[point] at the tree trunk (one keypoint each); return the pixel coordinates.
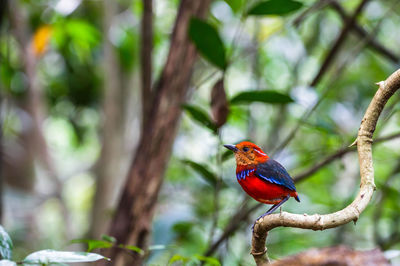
(133, 218)
(109, 167)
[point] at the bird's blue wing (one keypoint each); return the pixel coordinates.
(273, 172)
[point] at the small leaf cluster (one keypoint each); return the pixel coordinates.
(42, 257)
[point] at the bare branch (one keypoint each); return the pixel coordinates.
(359, 30)
(243, 213)
(339, 41)
(336, 155)
(351, 212)
(315, 7)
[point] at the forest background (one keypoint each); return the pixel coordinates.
(113, 116)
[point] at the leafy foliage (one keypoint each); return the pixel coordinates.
(200, 116)
(93, 243)
(203, 170)
(267, 96)
(6, 245)
(208, 42)
(52, 256)
(248, 45)
(274, 7)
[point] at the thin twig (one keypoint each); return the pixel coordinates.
(345, 63)
(338, 43)
(359, 30)
(316, 6)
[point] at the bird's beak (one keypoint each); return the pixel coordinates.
(231, 147)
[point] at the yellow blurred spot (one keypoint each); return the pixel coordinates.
(41, 40)
(269, 26)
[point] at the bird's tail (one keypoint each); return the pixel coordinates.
(297, 198)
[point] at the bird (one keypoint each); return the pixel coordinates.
(261, 177)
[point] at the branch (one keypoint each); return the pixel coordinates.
(336, 155)
(243, 213)
(351, 212)
(359, 30)
(131, 223)
(339, 41)
(322, 70)
(146, 59)
(315, 7)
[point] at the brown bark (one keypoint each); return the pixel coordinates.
(339, 256)
(146, 60)
(132, 221)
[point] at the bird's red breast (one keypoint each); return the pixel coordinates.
(261, 190)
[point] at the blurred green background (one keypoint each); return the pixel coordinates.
(57, 84)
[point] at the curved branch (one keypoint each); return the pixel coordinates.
(351, 212)
(243, 213)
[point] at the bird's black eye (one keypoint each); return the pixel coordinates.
(245, 149)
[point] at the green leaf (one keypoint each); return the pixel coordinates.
(6, 245)
(107, 238)
(176, 258)
(274, 7)
(235, 5)
(266, 96)
(201, 169)
(208, 260)
(200, 116)
(7, 263)
(208, 42)
(93, 243)
(49, 256)
(132, 248)
(226, 155)
(183, 227)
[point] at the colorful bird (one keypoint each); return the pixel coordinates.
(264, 179)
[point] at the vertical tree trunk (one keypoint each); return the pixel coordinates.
(133, 218)
(146, 50)
(109, 166)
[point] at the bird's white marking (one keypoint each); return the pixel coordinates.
(259, 152)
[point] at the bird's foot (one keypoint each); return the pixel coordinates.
(262, 216)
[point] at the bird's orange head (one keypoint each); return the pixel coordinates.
(247, 153)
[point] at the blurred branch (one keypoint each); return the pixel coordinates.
(108, 168)
(352, 212)
(146, 59)
(359, 30)
(316, 6)
(336, 155)
(355, 27)
(131, 223)
(34, 105)
(242, 214)
(345, 62)
(349, 22)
